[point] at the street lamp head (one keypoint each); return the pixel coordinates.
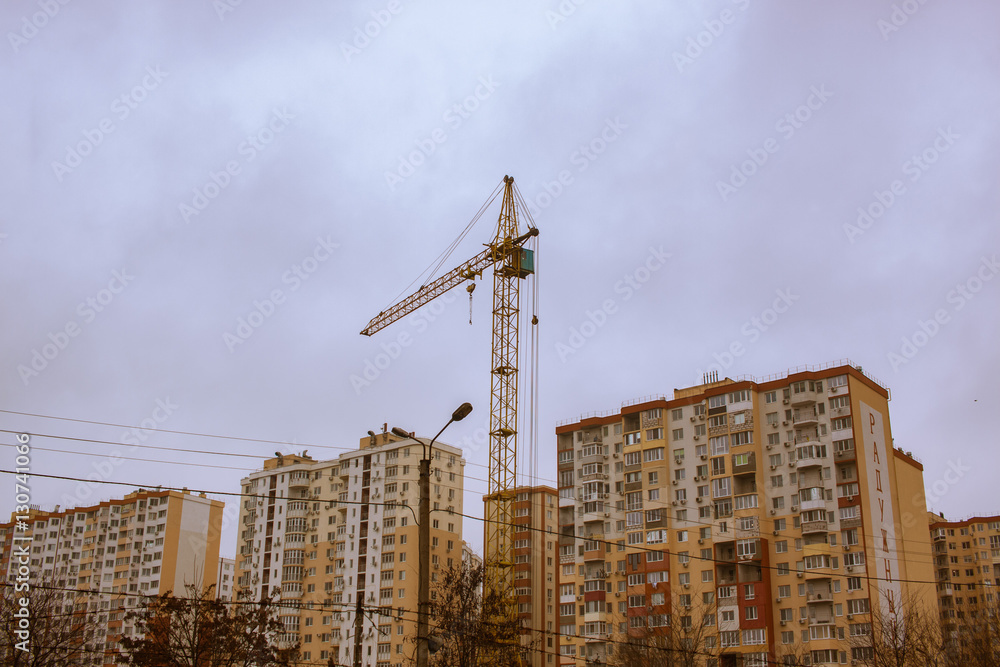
(400, 432)
(461, 412)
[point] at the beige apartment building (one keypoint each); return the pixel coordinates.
(749, 522)
(967, 570)
(110, 554)
(536, 572)
(333, 537)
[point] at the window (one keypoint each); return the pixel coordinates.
(655, 454)
(840, 423)
(676, 414)
(739, 396)
(655, 434)
(676, 434)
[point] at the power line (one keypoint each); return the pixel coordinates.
(631, 547)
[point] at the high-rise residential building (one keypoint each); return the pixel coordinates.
(750, 521)
(536, 571)
(967, 569)
(225, 579)
(107, 556)
(332, 537)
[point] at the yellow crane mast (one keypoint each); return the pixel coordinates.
(511, 263)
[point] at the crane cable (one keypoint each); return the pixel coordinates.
(436, 265)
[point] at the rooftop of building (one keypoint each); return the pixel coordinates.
(712, 386)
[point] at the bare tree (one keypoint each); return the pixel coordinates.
(910, 637)
(677, 639)
(201, 631)
(470, 625)
(57, 631)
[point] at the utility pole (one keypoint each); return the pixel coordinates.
(424, 547)
(424, 536)
(359, 624)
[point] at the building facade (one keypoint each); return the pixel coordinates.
(536, 571)
(967, 570)
(225, 579)
(105, 557)
(338, 537)
(746, 522)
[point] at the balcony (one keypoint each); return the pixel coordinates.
(803, 418)
(298, 480)
(809, 527)
(806, 398)
(844, 455)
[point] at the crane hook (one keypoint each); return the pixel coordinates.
(470, 288)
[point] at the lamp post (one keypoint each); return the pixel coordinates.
(424, 537)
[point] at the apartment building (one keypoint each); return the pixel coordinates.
(967, 571)
(225, 579)
(337, 542)
(750, 521)
(108, 555)
(536, 571)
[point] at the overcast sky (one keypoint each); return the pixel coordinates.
(169, 168)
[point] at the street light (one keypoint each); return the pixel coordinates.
(424, 536)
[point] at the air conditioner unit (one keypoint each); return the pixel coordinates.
(773, 512)
(700, 499)
(692, 418)
(850, 617)
(850, 568)
(785, 401)
(673, 502)
(615, 455)
(701, 540)
(784, 423)
(775, 532)
(798, 574)
(678, 460)
(773, 467)
(674, 482)
(802, 621)
(704, 457)
(579, 597)
(783, 623)
(697, 437)
(687, 585)
(768, 447)
(795, 508)
(684, 501)
(788, 444)
(847, 547)
(701, 417)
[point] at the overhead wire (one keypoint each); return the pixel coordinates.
(518, 527)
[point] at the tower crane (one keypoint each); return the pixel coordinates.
(511, 263)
